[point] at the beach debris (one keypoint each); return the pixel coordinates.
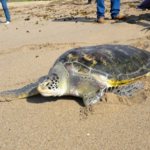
(132, 5)
(27, 19)
(140, 21)
(18, 11)
(45, 16)
(107, 10)
(36, 22)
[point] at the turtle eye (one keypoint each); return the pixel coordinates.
(46, 83)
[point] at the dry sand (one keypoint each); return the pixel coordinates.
(27, 51)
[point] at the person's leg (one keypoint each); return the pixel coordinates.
(100, 9)
(115, 8)
(144, 4)
(4, 5)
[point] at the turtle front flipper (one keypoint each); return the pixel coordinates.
(23, 92)
(91, 98)
(26, 91)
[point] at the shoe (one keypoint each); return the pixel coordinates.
(120, 17)
(101, 20)
(7, 22)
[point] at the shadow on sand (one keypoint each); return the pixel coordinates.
(78, 19)
(142, 20)
(40, 99)
(78, 4)
(137, 2)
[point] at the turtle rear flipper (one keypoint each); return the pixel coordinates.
(26, 91)
(128, 90)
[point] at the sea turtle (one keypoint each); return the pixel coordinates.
(88, 72)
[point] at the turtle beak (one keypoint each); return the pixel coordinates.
(44, 91)
(40, 88)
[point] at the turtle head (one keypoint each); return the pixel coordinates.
(49, 85)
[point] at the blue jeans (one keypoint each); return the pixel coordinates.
(115, 8)
(6, 11)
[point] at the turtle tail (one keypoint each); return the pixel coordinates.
(26, 91)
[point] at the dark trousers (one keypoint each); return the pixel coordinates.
(144, 4)
(115, 8)
(6, 11)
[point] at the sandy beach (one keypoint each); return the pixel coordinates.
(38, 34)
